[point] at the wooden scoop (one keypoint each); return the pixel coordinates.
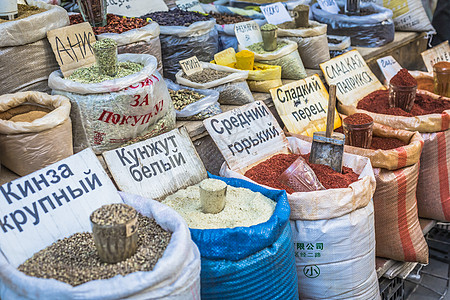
(328, 147)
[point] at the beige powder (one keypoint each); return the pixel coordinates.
(28, 117)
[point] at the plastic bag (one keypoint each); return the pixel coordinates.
(339, 48)
(178, 42)
(233, 89)
(373, 30)
(26, 147)
(263, 86)
(229, 255)
(26, 57)
(202, 109)
(105, 115)
(175, 275)
(312, 43)
(300, 177)
(409, 15)
(144, 40)
(318, 225)
(287, 58)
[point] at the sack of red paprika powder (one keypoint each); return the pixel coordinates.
(397, 229)
(433, 187)
(108, 114)
(333, 234)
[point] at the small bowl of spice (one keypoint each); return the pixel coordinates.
(402, 90)
(358, 130)
(115, 228)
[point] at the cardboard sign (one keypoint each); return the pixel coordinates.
(190, 65)
(135, 8)
(329, 6)
(436, 54)
(303, 105)
(389, 66)
(246, 135)
(72, 46)
(156, 167)
(275, 13)
(352, 77)
(248, 33)
(52, 203)
(189, 5)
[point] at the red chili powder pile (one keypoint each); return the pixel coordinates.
(403, 78)
(115, 24)
(268, 171)
(378, 102)
(358, 119)
(383, 143)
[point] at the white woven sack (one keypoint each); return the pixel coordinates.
(176, 276)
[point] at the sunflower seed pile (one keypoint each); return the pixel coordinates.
(74, 260)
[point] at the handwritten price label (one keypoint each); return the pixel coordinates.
(275, 13)
(247, 33)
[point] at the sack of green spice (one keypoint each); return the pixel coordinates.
(205, 107)
(312, 42)
(175, 276)
(144, 40)
(26, 57)
(106, 115)
(233, 88)
(286, 56)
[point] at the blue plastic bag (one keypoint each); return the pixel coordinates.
(255, 262)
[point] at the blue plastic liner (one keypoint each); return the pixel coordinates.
(255, 262)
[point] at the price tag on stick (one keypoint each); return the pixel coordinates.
(436, 54)
(329, 6)
(189, 5)
(247, 33)
(72, 46)
(191, 65)
(275, 13)
(389, 66)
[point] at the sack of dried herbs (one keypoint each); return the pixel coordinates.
(230, 83)
(106, 115)
(144, 40)
(286, 56)
(312, 42)
(26, 57)
(193, 104)
(35, 131)
(176, 275)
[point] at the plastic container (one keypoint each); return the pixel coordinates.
(245, 60)
(269, 39)
(300, 177)
(116, 242)
(93, 12)
(358, 135)
(212, 195)
(301, 16)
(441, 72)
(352, 7)
(402, 96)
(8, 9)
(106, 57)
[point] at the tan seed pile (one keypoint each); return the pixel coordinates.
(74, 260)
(243, 207)
(206, 75)
(29, 116)
(117, 213)
(24, 11)
(184, 97)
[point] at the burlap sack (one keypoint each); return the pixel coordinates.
(26, 147)
(433, 188)
(26, 57)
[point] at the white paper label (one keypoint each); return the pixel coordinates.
(275, 13)
(352, 77)
(156, 167)
(436, 54)
(135, 8)
(189, 5)
(329, 6)
(52, 203)
(389, 66)
(248, 33)
(246, 135)
(190, 65)
(303, 105)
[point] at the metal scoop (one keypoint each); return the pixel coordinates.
(328, 147)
